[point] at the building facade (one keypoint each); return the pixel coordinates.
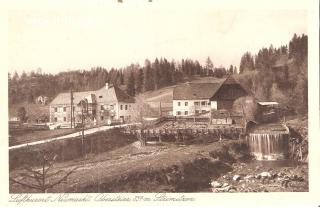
(107, 104)
(198, 98)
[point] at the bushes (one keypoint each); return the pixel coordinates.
(232, 152)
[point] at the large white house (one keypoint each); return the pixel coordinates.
(198, 98)
(103, 105)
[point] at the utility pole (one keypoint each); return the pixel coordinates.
(71, 108)
(82, 123)
(160, 109)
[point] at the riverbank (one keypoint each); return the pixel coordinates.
(169, 167)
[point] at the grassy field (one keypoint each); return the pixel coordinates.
(32, 136)
(165, 95)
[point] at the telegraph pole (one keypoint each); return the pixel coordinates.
(71, 97)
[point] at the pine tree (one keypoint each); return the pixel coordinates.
(139, 82)
(156, 74)
(131, 85)
(148, 76)
(209, 66)
(230, 71)
(246, 63)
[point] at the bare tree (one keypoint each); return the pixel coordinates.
(43, 178)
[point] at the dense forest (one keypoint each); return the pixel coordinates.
(279, 74)
(134, 79)
(286, 83)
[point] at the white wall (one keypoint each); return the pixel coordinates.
(191, 107)
(123, 112)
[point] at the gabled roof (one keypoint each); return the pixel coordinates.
(65, 98)
(193, 91)
(230, 80)
(103, 95)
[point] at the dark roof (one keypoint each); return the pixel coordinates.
(192, 91)
(103, 95)
(230, 81)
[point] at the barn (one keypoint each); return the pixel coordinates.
(197, 98)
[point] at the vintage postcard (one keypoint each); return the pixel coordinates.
(153, 102)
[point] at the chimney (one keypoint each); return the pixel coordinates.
(107, 85)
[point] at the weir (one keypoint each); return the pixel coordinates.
(269, 146)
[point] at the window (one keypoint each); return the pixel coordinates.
(101, 118)
(209, 103)
(186, 113)
(179, 103)
(178, 112)
(196, 103)
(64, 118)
(126, 107)
(197, 111)
(186, 103)
(55, 109)
(102, 107)
(121, 107)
(203, 111)
(64, 109)
(203, 103)
(55, 119)
(111, 107)
(100, 96)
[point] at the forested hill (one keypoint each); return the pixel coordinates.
(134, 78)
(256, 71)
(279, 74)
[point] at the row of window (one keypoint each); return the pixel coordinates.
(196, 103)
(56, 109)
(125, 107)
(186, 112)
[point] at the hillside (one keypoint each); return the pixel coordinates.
(164, 95)
(151, 98)
(34, 111)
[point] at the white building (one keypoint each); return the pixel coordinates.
(103, 105)
(199, 98)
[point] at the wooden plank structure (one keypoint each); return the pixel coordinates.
(183, 134)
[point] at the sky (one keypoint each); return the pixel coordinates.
(120, 35)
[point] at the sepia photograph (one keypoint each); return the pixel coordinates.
(141, 97)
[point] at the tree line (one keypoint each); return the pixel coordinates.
(279, 74)
(134, 79)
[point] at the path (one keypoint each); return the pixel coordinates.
(76, 134)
